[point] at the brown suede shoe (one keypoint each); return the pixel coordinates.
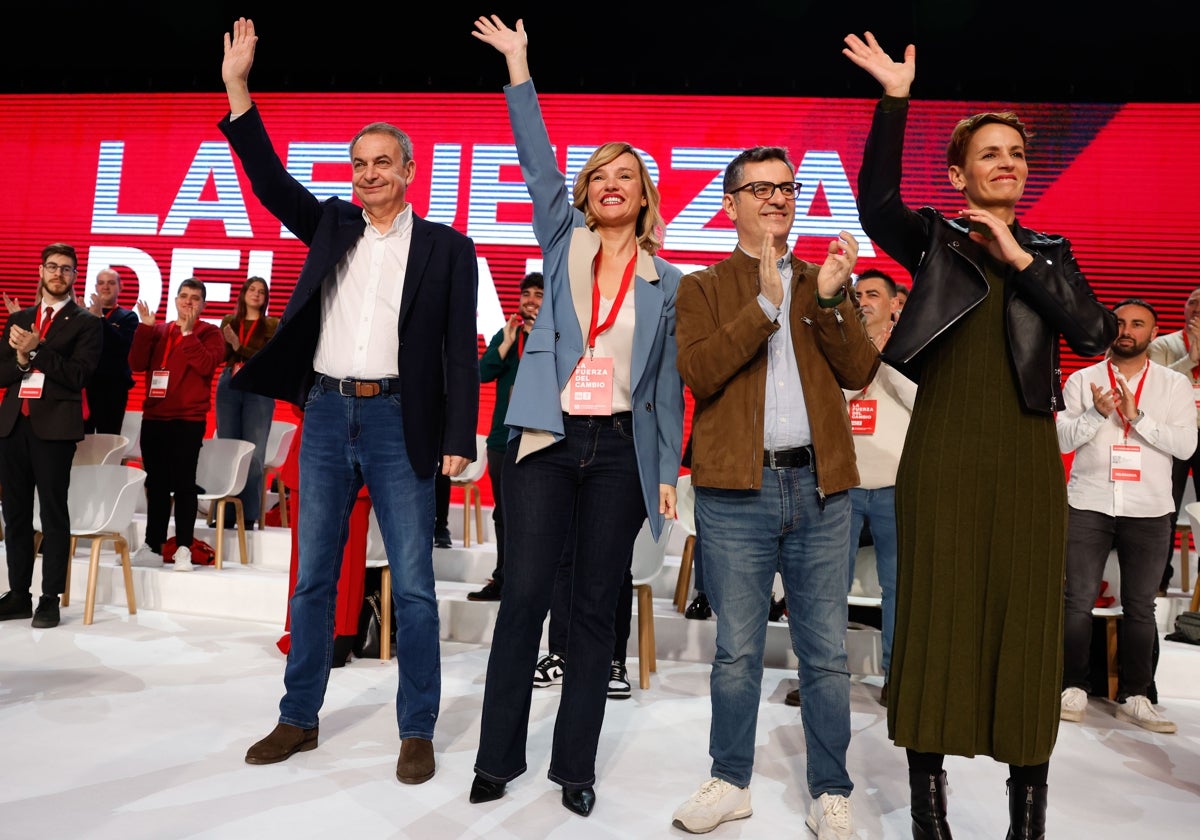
(284, 741)
(415, 764)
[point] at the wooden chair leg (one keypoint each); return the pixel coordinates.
(122, 548)
(467, 516)
(683, 583)
(647, 660)
(283, 502)
(89, 603)
(479, 532)
(219, 549)
(241, 529)
(385, 614)
(1111, 642)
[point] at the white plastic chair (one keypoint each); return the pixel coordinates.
(101, 502)
(648, 559)
(131, 428)
(279, 443)
(468, 480)
(100, 448)
(221, 470)
(685, 510)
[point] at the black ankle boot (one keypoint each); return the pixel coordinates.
(1026, 811)
(928, 792)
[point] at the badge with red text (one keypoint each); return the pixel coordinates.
(591, 386)
(862, 416)
(32, 384)
(1196, 394)
(1126, 463)
(158, 383)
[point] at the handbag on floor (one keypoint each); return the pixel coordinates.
(203, 554)
(370, 628)
(1187, 628)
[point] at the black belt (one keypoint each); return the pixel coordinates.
(358, 387)
(782, 459)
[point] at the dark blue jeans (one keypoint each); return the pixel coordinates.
(589, 478)
(246, 416)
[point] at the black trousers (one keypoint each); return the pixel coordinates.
(106, 402)
(170, 450)
(27, 463)
(1179, 473)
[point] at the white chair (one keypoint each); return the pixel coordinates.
(100, 448)
(221, 471)
(648, 559)
(468, 480)
(101, 502)
(131, 428)
(685, 510)
(1192, 509)
(279, 443)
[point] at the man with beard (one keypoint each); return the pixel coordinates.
(1125, 419)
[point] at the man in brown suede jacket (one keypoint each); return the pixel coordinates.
(766, 343)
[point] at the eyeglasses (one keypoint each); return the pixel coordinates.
(763, 190)
(55, 268)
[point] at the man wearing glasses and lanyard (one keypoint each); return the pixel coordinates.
(48, 353)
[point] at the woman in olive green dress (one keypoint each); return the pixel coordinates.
(981, 505)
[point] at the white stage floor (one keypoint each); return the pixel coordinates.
(136, 727)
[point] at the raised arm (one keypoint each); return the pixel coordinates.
(235, 67)
(896, 78)
(513, 45)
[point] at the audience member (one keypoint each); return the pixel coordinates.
(901, 299)
(981, 508)
(499, 364)
(241, 414)
(377, 276)
(179, 359)
(1124, 420)
(1180, 351)
(766, 343)
(583, 462)
(48, 353)
(107, 391)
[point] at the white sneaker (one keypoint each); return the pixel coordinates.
(549, 671)
(183, 559)
(829, 817)
(1074, 704)
(1138, 710)
(147, 557)
(715, 802)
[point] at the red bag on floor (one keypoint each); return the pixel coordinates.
(202, 553)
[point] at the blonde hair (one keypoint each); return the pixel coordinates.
(649, 220)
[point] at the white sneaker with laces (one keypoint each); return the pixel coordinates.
(146, 557)
(716, 801)
(1074, 704)
(549, 671)
(829, 817)
(1140, 711)
(618, 681)
(183, 559)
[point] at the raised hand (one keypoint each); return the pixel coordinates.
(896, 77)
(144, 313)
(11, 303)
(513, 45)
(235, 67)
(231, 337)
(770, 282)
(841, 255)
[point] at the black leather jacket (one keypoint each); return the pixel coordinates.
(1050, 297)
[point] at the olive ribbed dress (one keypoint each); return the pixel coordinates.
(981, 511)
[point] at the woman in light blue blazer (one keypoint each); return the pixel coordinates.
(596, 420)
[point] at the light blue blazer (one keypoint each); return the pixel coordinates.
(556, 343)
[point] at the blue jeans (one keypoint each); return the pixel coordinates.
(349, 441)
(878, 508)
(590, 477)
(246, 416)
(748, 536)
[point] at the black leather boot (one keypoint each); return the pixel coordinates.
(1026, 812)
(928, 792)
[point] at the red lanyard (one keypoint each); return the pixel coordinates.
(43, 324)
(1137, 395)
(595, 330)
(108, 315)
(168, 344)
(520, 341)
(244, 333)
(1187, 346)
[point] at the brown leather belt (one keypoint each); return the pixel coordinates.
(782, 459)
(358, 387)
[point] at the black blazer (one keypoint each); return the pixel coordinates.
(67, 355)
(439, 345)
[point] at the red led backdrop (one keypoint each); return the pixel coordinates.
(147, 184)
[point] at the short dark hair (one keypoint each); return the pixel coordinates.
(62, 249)
(532, 279)
(193, 283)
(757, 154)
(879, 275)
(956, 149)
(1137, 302)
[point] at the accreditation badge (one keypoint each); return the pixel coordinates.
(158, 383)
(863, 414)
(592, 386)
(1126, 462)
(32, 384)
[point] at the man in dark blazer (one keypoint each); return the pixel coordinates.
(378, 343)
(48, 353)
(108, 388)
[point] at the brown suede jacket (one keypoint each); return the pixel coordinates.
(722, 336)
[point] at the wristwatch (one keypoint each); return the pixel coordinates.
(1133, 421)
